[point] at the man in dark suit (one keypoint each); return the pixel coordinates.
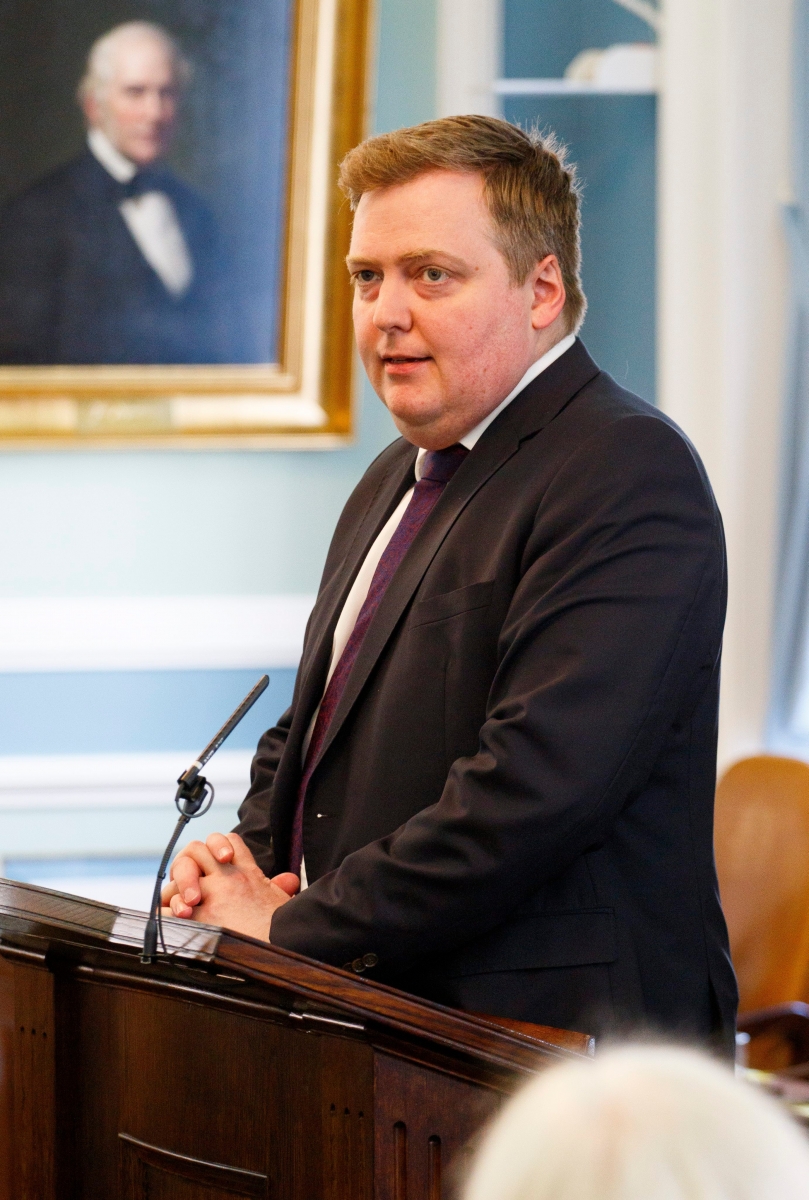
(499, 764)
(111, 258)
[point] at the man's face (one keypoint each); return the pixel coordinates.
(442, 331)
(137, 108)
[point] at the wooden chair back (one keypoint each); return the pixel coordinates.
(762, 859)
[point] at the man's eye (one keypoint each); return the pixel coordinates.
(434, 275)
(365, 276)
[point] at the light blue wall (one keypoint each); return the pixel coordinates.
(406, 63)
(131, 712)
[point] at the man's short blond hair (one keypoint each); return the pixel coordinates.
(530, 189)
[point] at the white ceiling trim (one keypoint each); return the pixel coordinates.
(146, 633)
(90, 781)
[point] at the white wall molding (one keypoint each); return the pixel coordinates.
(102, 781)
(125, 633)
(723, 284)
(468, 52)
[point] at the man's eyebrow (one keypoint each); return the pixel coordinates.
(414, 256)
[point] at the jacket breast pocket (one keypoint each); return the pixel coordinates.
(551, 939)
(452, 604)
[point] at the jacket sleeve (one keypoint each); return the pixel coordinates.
(254, 811)
(612, 634)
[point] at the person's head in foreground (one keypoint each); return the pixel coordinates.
(465, 264)
(641, 1123)
(131, 88)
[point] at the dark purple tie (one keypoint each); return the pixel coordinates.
(437, 468)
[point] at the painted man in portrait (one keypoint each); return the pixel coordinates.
(111, 258)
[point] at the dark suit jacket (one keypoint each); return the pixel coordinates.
(514, 809)
(75, 287)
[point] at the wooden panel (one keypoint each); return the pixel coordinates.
(325, 1148)
(347, 1091)
(204, 1086)
(34, 1084)
(424, 1123)
(6, 1078)
(90, 1079)
(152, 1173)
(201, 1082)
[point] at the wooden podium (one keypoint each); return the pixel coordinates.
(233, 1069)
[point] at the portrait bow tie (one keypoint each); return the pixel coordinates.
(140, 183)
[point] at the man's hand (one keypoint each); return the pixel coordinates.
(183, 893)
(220, 883)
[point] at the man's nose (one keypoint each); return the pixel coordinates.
(156, 106)
(392, 307)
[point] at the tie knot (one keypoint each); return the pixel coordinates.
(440, 465)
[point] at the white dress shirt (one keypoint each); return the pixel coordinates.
(362, 583)
(151, 219)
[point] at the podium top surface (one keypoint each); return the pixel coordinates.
(47, 927)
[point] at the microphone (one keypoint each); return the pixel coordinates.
(194, 789)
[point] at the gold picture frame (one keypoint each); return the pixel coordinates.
(305, 399)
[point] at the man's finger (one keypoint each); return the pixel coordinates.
(220, 847)
(287, 882)
(186, 873)
(242, 857)
(179, 908)
(194, 861)
(169, 890)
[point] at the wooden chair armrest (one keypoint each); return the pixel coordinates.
(779, 1037)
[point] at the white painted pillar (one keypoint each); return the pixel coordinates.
(724, 153)
(468, 56)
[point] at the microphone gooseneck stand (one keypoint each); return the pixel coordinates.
(193, 792)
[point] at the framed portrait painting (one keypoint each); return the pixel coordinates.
(171, 232)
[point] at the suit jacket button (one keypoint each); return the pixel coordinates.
(370, 960)
(358, 966)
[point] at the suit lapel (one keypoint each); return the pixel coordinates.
(534, 408)
(317, 652)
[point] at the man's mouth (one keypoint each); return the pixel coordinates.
(397, 360)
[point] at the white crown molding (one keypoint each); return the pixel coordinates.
(93, 781)
(147, 633)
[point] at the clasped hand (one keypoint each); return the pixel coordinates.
(219, 882)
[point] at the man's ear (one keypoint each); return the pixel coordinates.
(548, 292)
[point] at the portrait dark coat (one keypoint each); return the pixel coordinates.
(75, 287)
(513, 813)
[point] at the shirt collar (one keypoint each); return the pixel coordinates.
(535, 369)
(111, 159)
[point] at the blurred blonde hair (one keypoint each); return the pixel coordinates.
(641, 1123)
(530, 189)
(101, 58)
